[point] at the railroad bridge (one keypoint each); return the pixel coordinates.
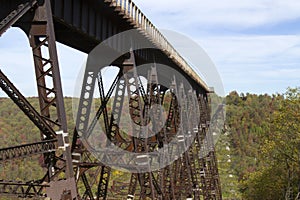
(71, 169)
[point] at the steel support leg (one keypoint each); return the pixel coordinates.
(42, 37)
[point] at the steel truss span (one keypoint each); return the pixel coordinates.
(71, 169)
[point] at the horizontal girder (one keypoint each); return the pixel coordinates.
(26, 150)
(22, 190)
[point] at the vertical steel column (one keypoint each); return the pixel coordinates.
(155, 95)
(186, 179)
(172, 173)
(135, 109)
(203, 145)
(209, 172)
(113, 133)
(46, 66)
(139, 115)
(41, 36)
(212, 160)
(111, 128)
(105, 170)
(132, 186)
(193, 115)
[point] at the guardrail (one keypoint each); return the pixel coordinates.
(130, 10)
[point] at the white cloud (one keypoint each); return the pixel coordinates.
(226, 13)
(253, 49)
(247, 63)
(261, 64)
(280, 74)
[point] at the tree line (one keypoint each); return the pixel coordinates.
(258, 150)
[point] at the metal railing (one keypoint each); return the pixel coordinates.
(130, 10)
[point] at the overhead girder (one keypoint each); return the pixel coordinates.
(15, 15)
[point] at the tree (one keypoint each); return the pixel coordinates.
(280, 154)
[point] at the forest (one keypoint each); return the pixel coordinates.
(258, 151)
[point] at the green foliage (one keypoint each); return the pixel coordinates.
(263, 135)
(258, 152)
(281, 148)
(247, 120)
(265, 183)
(17, 129)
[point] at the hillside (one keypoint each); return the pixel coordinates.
(258, 152)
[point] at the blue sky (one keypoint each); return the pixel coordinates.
(255, 44)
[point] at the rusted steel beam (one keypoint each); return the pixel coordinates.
(15, 15)
(27, 150)
(17, 97)
(22, 190)
(42, 39)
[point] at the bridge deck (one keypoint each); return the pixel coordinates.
(94, 21)
(83, 24)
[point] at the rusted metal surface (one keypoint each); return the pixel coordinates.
(76, 173)
(22, 190)
(8, 87)
(15, 15)
(27, 150)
